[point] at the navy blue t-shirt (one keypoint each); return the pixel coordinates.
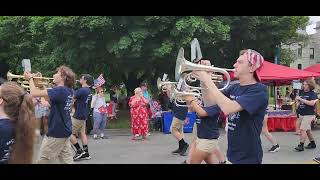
(82, 96)
(179, 112)
(59, 124)
(207, 127)
(304, 109)
(6, 139)
(244, 127)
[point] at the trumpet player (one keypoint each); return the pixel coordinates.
(245, 105)
(56, 144)
(83, 97)
(205, 133)
(179, 115)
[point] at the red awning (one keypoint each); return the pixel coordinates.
(282, 75)
(275, 74)
(314, 68)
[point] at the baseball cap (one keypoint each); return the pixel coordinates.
(256, 60)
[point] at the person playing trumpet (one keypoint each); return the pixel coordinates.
(245, 105)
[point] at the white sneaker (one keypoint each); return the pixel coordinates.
(102, 135)
(148, 134)
(95, 136)
(137, 135)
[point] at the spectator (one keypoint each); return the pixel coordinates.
(98, 104)
(139, 115)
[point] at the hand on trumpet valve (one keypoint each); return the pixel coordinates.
(202, 76)
(27, 75)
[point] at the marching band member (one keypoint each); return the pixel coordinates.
(17, 125)
(56, 144)
(82, 98)
(245, 104)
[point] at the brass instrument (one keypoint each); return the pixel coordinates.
(163, 84)
(39, 81)
(186, 67)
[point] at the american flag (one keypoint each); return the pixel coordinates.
(99, 81)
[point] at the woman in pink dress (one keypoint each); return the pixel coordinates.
(139, 115)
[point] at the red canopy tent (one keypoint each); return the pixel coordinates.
(279, 75)
(314, 68)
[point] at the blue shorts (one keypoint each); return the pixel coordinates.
(41, 111)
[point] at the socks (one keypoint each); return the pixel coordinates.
(85, 148)
(77, 146)
(181, 143)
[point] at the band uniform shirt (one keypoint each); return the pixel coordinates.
(83, 97)
(179, 112)
(303, 108)
(59, 124)
(207, 127)
(6, 139)
(244, 127)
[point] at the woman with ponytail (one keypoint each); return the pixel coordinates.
(17, 122)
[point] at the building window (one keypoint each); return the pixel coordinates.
(299, 50)
(311, 53)
(299, 66)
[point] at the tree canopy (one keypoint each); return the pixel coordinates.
(132, 49)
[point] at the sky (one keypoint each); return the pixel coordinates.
(313, 20)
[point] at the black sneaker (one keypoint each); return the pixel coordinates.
(176, 151)
(184, 149)
(85, 156)
(311, 146)
(299, 148)
(317, 159)
(78, 155)
(275, 148)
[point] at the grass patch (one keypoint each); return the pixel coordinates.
(123, 121)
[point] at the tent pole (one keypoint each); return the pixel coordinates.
(275, 96)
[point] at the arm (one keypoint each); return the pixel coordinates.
(93, 101)
(226, 105)
(307, 102)
(34, 91)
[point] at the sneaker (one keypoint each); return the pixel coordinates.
(177, 151)
(78, 155)
(299, 148)
(137, 135)
(275, 148)
(148, 134)
(311, 146)
(101, 135)
(95, 136)
(317, 159)
(85, 156)
(184, 149)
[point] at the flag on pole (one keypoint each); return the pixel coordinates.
(99, 81)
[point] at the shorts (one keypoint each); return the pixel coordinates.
(306, 122)
(206, 145)
(55, 148)
(78, 126)
(41, 111)
(177, 124)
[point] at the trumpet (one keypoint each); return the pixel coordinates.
(178, 96)
(163, 84)
(25, 84)
(184, 66)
